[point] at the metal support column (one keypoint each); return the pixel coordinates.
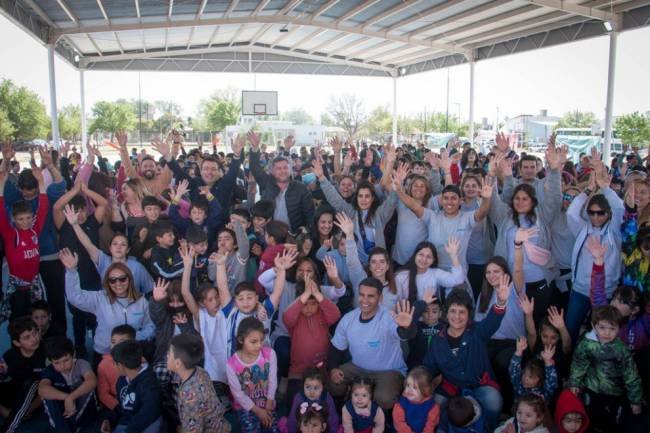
(82, 103)
(607, 144)
(471, 101)
(395, 110)
(53, 111)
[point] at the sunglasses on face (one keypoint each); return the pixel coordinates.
(121, 279)
(597, 212)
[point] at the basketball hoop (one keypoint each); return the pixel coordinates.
(259, 103)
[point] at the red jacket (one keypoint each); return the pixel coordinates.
(266, 262)
(567, 402)
(21, 246)
(309, 335)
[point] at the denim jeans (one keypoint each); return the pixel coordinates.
(577, 310)
(489, 399)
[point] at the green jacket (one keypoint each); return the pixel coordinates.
(605, 368)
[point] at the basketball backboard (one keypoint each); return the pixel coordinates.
(259, 103)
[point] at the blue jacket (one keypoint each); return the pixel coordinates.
(470, 368)
(48, 243)
(139, 401)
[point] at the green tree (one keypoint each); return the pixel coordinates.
(633, 129)
(577, 119)
(112, 116)
(220, 110)
(167, 115)
(379, 122)
(70, 122)
(326, 120)
(348, 113)
(6, 127)
(298, 116)
(24, 110)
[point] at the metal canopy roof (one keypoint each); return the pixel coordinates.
(336, 37)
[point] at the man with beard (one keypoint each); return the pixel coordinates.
(293, 201)
(211, 184)
(154, 182)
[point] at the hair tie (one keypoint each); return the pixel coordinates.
(303, 407)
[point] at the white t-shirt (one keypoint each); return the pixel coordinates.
(214, 342)
(441, 227)
(373, 345)
(432, 278)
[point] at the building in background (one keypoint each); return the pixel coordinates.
(532, 129)
(274, 131)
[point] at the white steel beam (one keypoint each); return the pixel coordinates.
(459, 17)
(395, 111)
(166, 39)
(390, 12)
(419, 15)
(40, 12)
(430, 56)
(85, 61)
(352, 44)
(611, 71)
(264, 19)
(405, 58)
(265, 28)
(307, 38)
(67, 11)
(291, 5)
(231, 7)
(171, 9)
(324, 8)
(137, 9)
(213, 36)
(328, 42)
(201, 8)
(388, 53)
(260, 7)
(144, 41)
(523, 33)
(487, 21)
(368, 49)
(472, 63)
(82, 104)
(119, 43)
(189, 40)
(553, 16)
(101, 8)
(283, 36)
(236, 34)
(352, 12)
(92, 41)
(575, 9)
(54, 115)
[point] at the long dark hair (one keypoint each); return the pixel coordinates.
(390, 276)
(531, 217)
(364, 184)
(602, 202)
(412, 269)
(464, 160)
(487, 289)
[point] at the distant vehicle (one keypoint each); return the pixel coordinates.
(437, 140)
(581, 140)
(26, 145)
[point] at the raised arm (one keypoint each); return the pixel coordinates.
(187, 254)
(282, 262)
(222, 277)
(101, 204)
(243, 244)
(57, 209)
(72, 216)
(484, 209)
(122, 139)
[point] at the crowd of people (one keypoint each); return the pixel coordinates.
(365, 289)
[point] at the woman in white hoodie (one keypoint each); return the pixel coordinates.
(118, 304)
(601, 218)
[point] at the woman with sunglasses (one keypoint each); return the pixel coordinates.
(118, 304)
(604, 216)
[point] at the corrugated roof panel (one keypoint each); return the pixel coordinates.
(131, 40)
(83, 44)
(53, 10)
(216, 6)
(202, 35)
(413, 10)
(106, 42)
(118, 8)
(176, 37)
(150, 8)
(339, 9)
(475, 19)
(184, 7)
(375, 9)
(85, 10)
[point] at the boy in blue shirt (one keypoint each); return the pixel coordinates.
(67, 387)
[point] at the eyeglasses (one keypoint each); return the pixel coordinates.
(121, 279)
(568, 197)
(597, 212)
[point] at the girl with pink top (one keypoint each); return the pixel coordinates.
(252, 377)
